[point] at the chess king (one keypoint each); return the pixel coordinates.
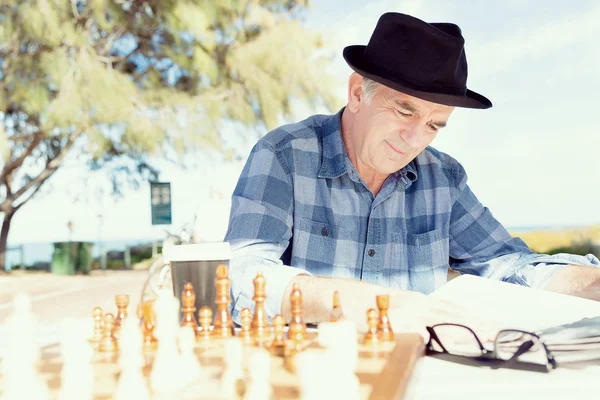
(359, 202)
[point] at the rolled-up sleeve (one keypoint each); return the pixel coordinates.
(480, 245)
(260, 229)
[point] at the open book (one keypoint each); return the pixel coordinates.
(576, 341)
(569, 326)
(571, 342)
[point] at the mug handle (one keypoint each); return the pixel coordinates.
(156, 287)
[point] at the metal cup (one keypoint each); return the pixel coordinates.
(197, 264)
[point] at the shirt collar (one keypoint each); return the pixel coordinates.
(333, 163)
(335, 160)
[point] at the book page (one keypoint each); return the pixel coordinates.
(515, 307)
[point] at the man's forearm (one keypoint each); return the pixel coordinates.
(356, 297)
(576, 280)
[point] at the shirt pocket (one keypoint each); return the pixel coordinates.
(324, 248)
(424, 251)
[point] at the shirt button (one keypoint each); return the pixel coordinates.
(371, 252)
(325, 232)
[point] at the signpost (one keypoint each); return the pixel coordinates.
(160, 200)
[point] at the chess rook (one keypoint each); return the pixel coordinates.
(188, 300)
(223, 323)
(297, 329)
(260, 322)
(384, 327)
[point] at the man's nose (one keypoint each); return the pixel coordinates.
(412, 134)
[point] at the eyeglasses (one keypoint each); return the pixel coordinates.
(512, 348)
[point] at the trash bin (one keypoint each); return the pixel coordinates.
(63, 262)
(84, 258)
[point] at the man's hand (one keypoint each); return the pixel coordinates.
(576, 280)
(413, 311)
(408, 312)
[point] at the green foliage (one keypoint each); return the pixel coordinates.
(130, 79)
(123, 81)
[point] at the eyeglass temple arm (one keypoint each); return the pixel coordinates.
(434, 336)
(524, 348)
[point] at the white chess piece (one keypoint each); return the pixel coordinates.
(165, 377)
(131, 384)
(20, 374)
(313, 372)
(341, 338)
(188, 364)
(323, 374)
(233, 370)
(341, 341)
(77, 375)
(259, 371)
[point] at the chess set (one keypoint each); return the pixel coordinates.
(168, 353)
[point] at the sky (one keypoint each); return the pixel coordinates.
(532, 158)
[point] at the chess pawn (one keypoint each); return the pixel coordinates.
(233, 371)
(148, 325)
(246, 326)
(384, 327)
(336, 312)
(223, 323)
(297, 330)
(204, 330)
(188, 363)
(372, 335)
(259, 373)
(188, 300)
(98, 328)
(108, 342)
(260, 322)
(122, 302)
(278, 343)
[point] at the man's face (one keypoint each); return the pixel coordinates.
(391, 130)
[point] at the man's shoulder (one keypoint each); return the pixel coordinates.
(436, 161)
(431, 155)
(297, 134)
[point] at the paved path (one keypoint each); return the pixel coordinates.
(55, 297)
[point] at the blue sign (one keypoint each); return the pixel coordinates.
(160, 200)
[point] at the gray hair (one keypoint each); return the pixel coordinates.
(369, 87)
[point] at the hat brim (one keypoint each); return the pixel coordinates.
(354, 56)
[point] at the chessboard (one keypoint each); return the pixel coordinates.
(383, 374)
(165, 352)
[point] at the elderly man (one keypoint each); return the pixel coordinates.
(359, 203)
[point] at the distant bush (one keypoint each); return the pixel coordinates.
(579, 248)
(552, 240)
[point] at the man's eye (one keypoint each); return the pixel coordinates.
(433, 128)
(403, 113)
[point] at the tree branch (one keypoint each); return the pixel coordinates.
(10, 167)
(51, 167)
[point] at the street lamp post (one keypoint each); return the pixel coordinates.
(100, 245)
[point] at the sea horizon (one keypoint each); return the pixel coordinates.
(39, 252)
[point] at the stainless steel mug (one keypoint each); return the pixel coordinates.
(197, 264)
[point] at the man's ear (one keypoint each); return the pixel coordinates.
(355, 92)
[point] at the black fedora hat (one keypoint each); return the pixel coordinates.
(424, 60)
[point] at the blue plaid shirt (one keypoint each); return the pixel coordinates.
(301, 207)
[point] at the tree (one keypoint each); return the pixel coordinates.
(117, 82)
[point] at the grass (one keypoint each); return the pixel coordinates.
(565, 240)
